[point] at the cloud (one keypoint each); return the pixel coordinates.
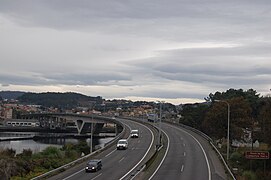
(157, 48)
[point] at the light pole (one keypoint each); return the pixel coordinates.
(160, 119)
(228, 131)
(91, 138)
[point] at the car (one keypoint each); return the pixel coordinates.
(94, 165)
(122, 144)
(134, 133)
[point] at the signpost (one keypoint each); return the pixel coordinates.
(257, 155)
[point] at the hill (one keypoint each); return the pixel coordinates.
(59, 100)
(11, 94)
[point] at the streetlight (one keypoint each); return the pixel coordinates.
(160, 119)
(228, 131)
(91, 138)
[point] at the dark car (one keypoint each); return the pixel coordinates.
(94, 165)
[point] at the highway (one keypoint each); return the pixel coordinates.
(188, 157)
(117, 164)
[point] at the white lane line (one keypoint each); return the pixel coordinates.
(183, 145)
(204, 153)
(121, 159)
(110, 153)
(163, 157)
(73, 174)
(184, 154)
(96, 176)
(105, 156)
(182, 168)
(144, 154)
(127, 139)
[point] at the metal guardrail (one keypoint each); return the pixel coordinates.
(211, 142)
(66, 166)
(155, 153)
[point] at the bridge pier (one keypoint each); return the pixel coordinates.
(82, 123)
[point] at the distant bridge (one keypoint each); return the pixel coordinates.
(61, 121)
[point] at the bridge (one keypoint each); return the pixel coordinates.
(82, 123)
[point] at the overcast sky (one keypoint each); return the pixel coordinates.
(173, 50)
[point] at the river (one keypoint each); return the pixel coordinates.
(39, 145)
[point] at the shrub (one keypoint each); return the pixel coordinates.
(249, 175)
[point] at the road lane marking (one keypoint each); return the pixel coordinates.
(96, 176)
(184, 154)
(121, 159)
(74, 174)
(110, 153)
(105, 156)
(204, 153)
(144, 154)
(183, 144)
(182, 168)
(163, 157)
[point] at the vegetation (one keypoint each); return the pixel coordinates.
(248, 111)
(28, 165)
(11, 94)
(59, 100)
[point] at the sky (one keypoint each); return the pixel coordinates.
(178, 51)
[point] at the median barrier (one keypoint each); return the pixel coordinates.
(153, 156)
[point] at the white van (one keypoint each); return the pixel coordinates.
(134, 133)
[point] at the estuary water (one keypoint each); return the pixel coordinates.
(39, 145)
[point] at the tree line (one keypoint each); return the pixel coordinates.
(248, 111)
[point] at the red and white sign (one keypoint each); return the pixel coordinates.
(257, 155)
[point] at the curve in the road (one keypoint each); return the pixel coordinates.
(117, 164)
(186, 157)
(144, 154)
(168, 142)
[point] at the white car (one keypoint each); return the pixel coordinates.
(122, 144)
(134, 133)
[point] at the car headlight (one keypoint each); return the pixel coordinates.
(86, 167)
(93, 167)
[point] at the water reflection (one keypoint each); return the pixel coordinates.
(41, 144)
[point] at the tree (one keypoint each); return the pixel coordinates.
(264, 119)
(215, 121)
(193, 115)
(251, 95)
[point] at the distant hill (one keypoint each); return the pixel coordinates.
(11, 94)
(60, 100)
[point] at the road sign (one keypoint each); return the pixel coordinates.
(257, 155)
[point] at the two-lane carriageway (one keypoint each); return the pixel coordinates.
(188, 157)
(117, 164)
